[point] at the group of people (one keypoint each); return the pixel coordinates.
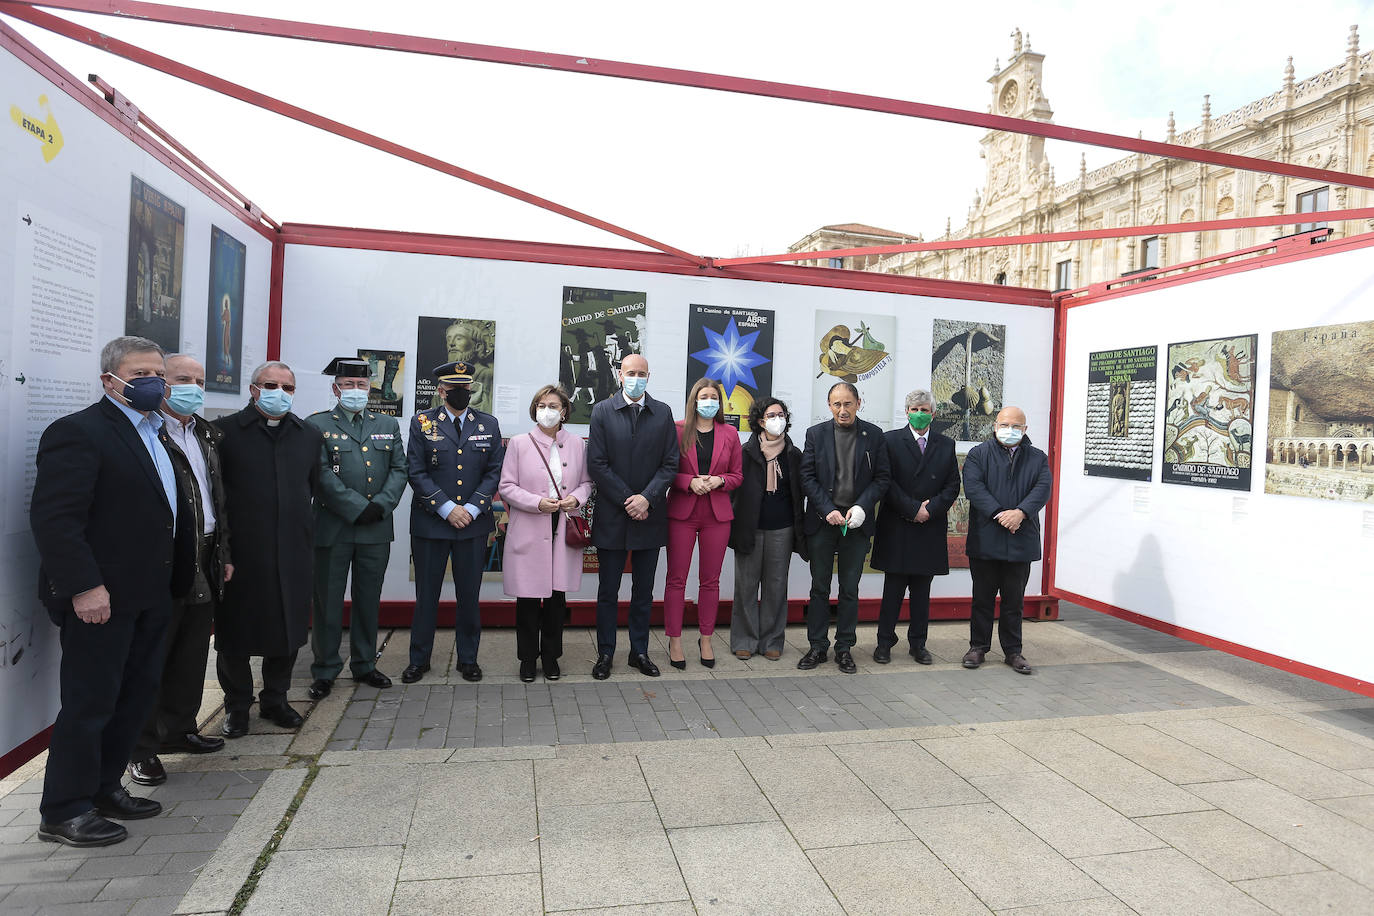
(134, 497)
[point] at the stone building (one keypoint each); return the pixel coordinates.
(1324, 121)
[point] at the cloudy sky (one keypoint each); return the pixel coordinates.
(714, 173)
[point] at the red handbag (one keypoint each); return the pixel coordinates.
(576, 531)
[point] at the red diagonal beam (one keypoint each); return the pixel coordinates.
(234, 90)
(1241, 222)
(390, 41)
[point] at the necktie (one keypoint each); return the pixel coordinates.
(634, 417)
(921, 441)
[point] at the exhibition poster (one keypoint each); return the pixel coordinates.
(388, 380)
(600, 328)
(1321, 413)
(854, 348)
(967, 363)
(1120, 437)
(956, 525)
(734, 346)
(157, 240)
(443, 340)
(224, 317)
(1209, 413)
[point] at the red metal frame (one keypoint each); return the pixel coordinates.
(24, 752)
(274, 298)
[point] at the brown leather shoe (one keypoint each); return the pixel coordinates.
(973, 658)
(1019, 664)
(772, 655)
(743, 655)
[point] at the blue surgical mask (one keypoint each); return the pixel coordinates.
(1009, 436)
(274, 402)
(708, 409)
(353, 399)
(143, 393)
(634, 385)
(186, 399)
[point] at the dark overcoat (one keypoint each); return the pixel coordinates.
(818, 473)
(995, 478)
(902, 544)
(269, 480)
(209, 583)
(748, 496)
(625, 458)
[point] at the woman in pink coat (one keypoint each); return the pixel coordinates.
(699, 511)
(544, 478)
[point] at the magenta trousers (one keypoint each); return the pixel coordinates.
(683, 535)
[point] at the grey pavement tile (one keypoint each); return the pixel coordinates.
(904, 775)
(729, 867)
(49, 892)
(37, 869)
(354, 806)
(1101, 906)
(1359, 809)
(334, 881)
(500, 895)
(487, 828)
(156, 906)
(120, 867)
(186, 863)
(894, 879)
(1063, 815)
(980, 755)
(1313, 892)
(589, 781)
(606, 855)
(966, 838)
(94, 908)
(1174, 760)
(147, 886)
(1165, 882)
(181, 842)
(1313, 743)
(704, 788)
(1227, 846)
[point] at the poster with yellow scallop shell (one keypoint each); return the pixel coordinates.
(855, 348)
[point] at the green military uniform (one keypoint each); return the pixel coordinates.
(362, 463)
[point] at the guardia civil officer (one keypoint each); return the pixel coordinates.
(453, 458)
(362, 477)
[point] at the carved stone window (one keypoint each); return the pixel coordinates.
(1007, 100)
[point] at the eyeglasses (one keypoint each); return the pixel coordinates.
(273, 386)
(775, 416)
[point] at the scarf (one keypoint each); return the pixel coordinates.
(771, 451)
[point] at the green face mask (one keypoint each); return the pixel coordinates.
(919, 419)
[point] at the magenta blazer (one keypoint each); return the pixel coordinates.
(727, 463)
(538, 561)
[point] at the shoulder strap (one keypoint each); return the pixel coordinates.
(540, 453)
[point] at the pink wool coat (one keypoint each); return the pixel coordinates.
(537, 561)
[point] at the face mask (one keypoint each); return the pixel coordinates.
(274, 402)
(353, 399)
(775, 425)
(548, 417)
(634, 385)
(708, 409)
(143, 393)
(1009, 435)
(919, 419)
(457, 398)
(186, 399)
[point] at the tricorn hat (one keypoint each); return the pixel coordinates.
(348, 367)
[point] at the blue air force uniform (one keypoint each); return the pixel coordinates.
(453, 460)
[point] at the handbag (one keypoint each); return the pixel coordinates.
(576, 531)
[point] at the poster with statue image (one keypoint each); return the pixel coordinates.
(600, 328)
(1120, 437)
(157, 242)
(443, 340)
(967, 363)
(855, 348)
(1209, 410)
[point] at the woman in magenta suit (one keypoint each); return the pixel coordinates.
(699, 511)
(544, 477)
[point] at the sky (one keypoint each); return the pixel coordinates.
(716, 174)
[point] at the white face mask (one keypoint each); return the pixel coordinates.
(548, 417)
(1009, 435)
(775, 425)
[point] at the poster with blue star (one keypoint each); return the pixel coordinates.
(734, 346)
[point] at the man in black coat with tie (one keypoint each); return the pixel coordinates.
(116, 542)
(844, 474)
(911, 546)
(632, 452)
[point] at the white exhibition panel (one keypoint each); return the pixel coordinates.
(1281, 574)
(64, 224)
(336, 300)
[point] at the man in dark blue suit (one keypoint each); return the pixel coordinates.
(453, 459)
(844, 474)
(116, 540)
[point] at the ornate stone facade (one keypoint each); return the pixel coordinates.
(1324, 121)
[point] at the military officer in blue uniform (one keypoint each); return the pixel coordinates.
(453, 458)
(362, 478)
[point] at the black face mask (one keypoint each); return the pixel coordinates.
(458, 398)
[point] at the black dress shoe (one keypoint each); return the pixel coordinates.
(320, 688)
(125, 807)
(413, 673)
(882, 654)
(1019, 664)
(645, 666)
(921, 655)
(283, 716)
(845, 661)
(89, 829)
(527, 671)
(235, 724)
(191, 743)
(374, 678)
(471, 671)
(973, 658)
(551, 672)
(705, 662)
(602, 669)
(811, 659)
(147, 772)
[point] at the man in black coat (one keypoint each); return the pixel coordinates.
(271, 460)
(632, 453)
(844, 473)
(911, 546)
(116, 544)
(1007, 482)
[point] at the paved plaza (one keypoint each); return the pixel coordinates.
(1133, 773)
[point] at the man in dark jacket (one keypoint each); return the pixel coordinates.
(1007, 482)
(844, 473)
(271, 460)
(632, 453)
(911, 546)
